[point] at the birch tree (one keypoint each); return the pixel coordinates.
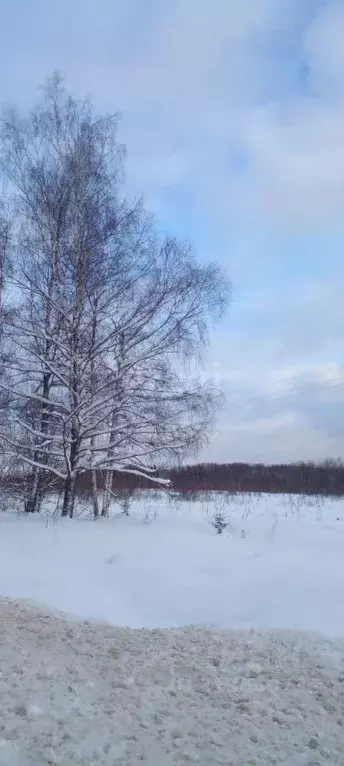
(28, 158)
(5, 244)
(113, 317)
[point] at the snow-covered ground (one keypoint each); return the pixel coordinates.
(279, 563)
(90, 694)
(74, 692)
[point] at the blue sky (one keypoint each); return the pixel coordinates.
(233, 117)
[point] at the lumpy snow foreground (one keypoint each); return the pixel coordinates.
(87, 693)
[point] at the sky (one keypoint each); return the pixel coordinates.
(233, 118)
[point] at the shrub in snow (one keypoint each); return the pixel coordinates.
(125, 504)
(150, 515)
(219, 522)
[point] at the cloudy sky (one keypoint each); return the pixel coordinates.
(233, 116)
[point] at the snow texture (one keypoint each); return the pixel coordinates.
(86, 693)
(279, 563)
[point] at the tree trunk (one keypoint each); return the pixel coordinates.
(94, 495)
(107, 494)
(93, 440)
(69, 496)
(35, 490)
(70, 482)
(33, 500)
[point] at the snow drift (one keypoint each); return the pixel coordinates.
(87, 693)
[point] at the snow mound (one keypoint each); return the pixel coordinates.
(88, 693)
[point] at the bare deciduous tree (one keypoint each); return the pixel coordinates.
(113, 317)
(5, 263)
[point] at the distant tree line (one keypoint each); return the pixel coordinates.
(309, 478)
(325, 478)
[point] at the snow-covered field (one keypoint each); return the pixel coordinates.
(85, 693)
(279, 563)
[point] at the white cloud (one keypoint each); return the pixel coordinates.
(196, 81)
(323, 47)
(202, 87)
(275, 442)
(295, 144)
(298, 163)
